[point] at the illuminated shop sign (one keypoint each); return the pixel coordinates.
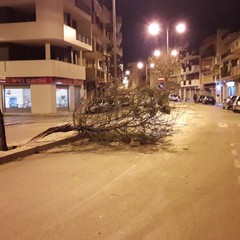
(48, 80)
(230, 84)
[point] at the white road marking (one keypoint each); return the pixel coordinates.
(237, 163)
(234, 153)
(223, 125)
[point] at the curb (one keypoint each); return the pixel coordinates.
(15, 154)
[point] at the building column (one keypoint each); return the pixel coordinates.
(47, 51)
(43, 98)
(79, 62)
(71, 98)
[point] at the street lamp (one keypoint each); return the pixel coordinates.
(127, 72)
(154, 29)
(156, 53)
(141, 65)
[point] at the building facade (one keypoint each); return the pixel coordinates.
(216, 70)
(190, 76)
(99, 62)
(42, 45)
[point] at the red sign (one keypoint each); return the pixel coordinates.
(47, 80)
(161, 79)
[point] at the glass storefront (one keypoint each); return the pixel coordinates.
(17, 98)
(62, 98)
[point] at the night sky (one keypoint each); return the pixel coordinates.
(203, 17)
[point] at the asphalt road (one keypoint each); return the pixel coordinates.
(185, 189)
(20, 129)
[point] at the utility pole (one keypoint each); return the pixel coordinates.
(114, 41)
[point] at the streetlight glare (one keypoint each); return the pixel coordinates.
(152, 65)
(157, 53)
(127, 72)
(174, 53)
(180, 28)
(153, 28)
(140, 65)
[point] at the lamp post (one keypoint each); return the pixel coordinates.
(114, 41)
(154, 29)
(140, 65)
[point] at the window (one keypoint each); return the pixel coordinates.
(17, 98)
(62, 97)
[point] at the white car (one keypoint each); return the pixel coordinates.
(236, 104)
(174, 97)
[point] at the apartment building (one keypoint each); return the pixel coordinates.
(99, 62)
(51, 52)
(220, 64)
(41, 45)
(190, 76)
(228, 82)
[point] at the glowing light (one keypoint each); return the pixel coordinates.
(153, 28)
(140, 65)
(157, 53)
(181, 27)
(174, 53)
(230, 84)
(152, 65)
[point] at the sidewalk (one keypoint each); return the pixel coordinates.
(20, 129)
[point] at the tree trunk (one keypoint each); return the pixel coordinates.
(3, 143)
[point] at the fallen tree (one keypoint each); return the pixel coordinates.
(122, 115)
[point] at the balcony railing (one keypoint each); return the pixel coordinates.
(235, 71)
(235, 46)
(70, 35)
(93, 74)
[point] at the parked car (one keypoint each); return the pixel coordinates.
(200, 98)
(209, 100)
(228, 102)
(236, 104)
(174, 97)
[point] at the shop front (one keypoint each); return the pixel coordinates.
(40, 95)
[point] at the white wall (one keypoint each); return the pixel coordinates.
(41, 68)
(43, 98)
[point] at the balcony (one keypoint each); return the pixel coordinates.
(235, 46)
(96, 53)
(208, 54)
(118, 23)
(229, 56)
(235, 71)
(43, 68)
(119, 38)
(206, 79)
(94, 74)
(70, 35)
(228, 38)
(190, 83)
(190, 69)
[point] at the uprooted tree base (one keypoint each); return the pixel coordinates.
(140, 115)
